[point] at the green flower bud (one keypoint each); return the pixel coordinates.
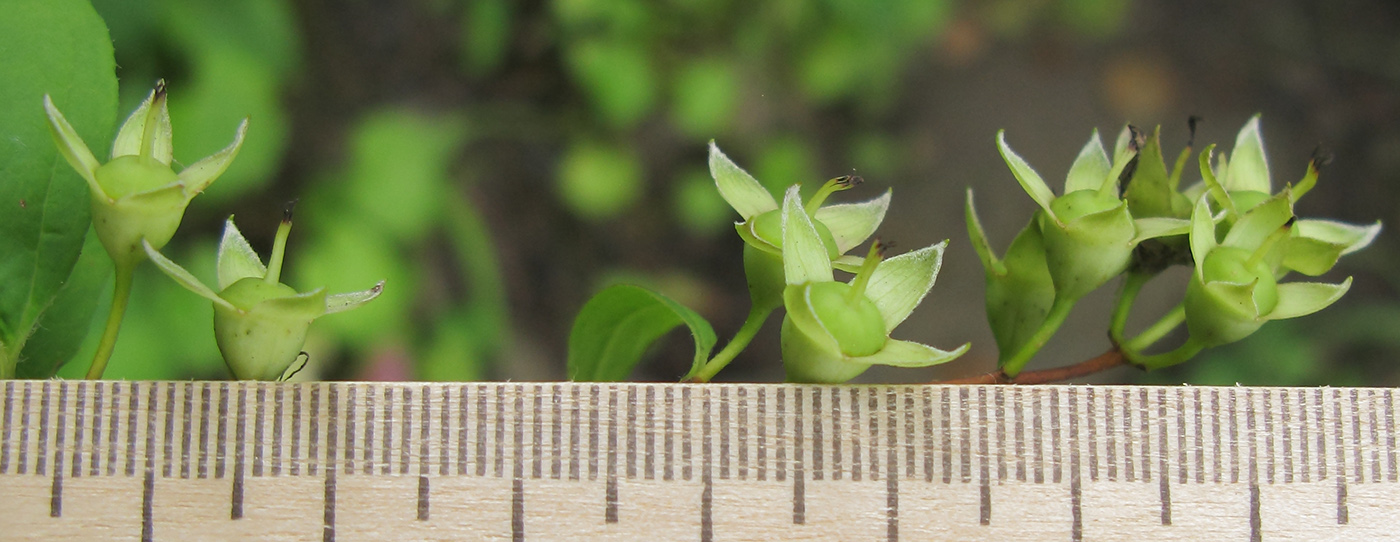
(840, 227)
(260, 324)
(832, 331)
(1020, 291)
(1234, 288)
(137, 195)
(1089, 233)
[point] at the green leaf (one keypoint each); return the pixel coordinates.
(804, 255)
(739, 189)
(60, 48)
(897, 353)
(900, 283)
(618, 77)
(616, 327)
(1029, 179)
(852, 223)
(58, 337)
(1303, 298)
(705, 97)
(1089, 168)
(1249, 169)
(401, 169)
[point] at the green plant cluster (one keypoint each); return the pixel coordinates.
(1122, 216)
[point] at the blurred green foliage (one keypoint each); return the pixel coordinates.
(419, 136)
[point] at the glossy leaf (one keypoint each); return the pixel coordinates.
(59, 48)
(617, 326)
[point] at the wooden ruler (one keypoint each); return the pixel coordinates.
(560, 461)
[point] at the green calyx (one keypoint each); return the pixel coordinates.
(133, 174)
(768, 228)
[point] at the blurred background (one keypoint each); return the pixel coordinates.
(497, 161)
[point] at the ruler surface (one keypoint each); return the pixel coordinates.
(561, 461)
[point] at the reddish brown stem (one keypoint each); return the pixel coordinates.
(1102, 362)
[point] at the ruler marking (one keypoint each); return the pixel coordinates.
(686, 436)
(610, 509)
(1055, 434)
(333, 406)
(5, 427)
(56, 490)
(574, 415)
(983, 448)
(240, 425)
(723, 431)
(1019, 430)
(1354, 411)
(799, 477)
(984, 483)
(706, 477)
(945, 412)
(406, 432)
(518, 458)
(964, 436)
(313, 439)
(1343, 514)
(498, 462)
(222, 433)
(1199, 434)
(445, 432)
(743, 432)
(1163, 486)
(836, 436)
(186, 428)
(464, 405)
(649, 457)
(425, 430)
(1286, 424)
(386, 459)
(94, 457)
(1256, 523)
(1091, 429)
(855, 433)
(79, 409)
(350, 427)
(24, 431)
(926, 414)
(295, 455)
(168, 437)
(593, 430)
(892, 458)
(761, 416)
(1338, 444)
(41, 458)
(1129, 464)
(1216, 459)
(114, 429)
(423, 497)
(909, 432)
(1375, 437)
(1390, 435)
(517, 510)
(556, 432)
(1251, 431)
(1075, 490)
(1000, 422)
(277, 397)
(259, 412)
(780, 459)
(482, 431)
(131, 413)
(1268, 437)
(148, 488)
(667, 457)
(148, 497)
(368, 449)
(536, 434)
(328, 508)
(1319, 415)
(1303, 441)
(873, 440)
(631, 457)
(1110, 452)
(1038, 439)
